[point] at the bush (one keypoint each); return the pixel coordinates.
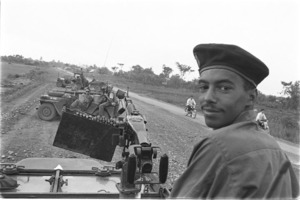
(14, 76)
(289, 122)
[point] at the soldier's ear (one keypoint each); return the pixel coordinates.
(252, 95)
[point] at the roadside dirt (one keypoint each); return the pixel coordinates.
(23, 134)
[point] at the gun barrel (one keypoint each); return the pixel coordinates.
(137, 124)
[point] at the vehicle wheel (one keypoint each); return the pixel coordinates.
(47, 112)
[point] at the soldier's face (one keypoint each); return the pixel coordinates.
(222, 97)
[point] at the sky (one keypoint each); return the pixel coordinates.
(153, 33)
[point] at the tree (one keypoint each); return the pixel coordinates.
(121, 66)
(104, 70)
(292, 91)
(183, 69)
(148, 71)
(114, 69)
(166, 71)
(137, 69)
(175, 81)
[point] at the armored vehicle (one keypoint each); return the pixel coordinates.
(139, 173)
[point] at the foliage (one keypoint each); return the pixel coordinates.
(114, 69)
(104, 70)
(166, 71)
(292, 91)
(183, 69)
(19, 59)
(13, 76)
(175, 81)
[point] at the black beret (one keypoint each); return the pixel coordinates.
(233, 58)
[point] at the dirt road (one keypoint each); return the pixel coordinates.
(24, 135)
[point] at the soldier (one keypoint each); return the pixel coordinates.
(111, 100)
(236, 159)
(190, 104)
(262, 119)
(83, 102)
(84, 81)
(77, 83)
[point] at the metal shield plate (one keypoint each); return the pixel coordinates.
(86, 136)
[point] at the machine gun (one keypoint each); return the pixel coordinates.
(98, 137)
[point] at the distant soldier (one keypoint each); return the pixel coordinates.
(84, 81)
(262, 119)
(111, 100)
(76, 83)
(190, 104)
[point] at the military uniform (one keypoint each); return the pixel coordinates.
(238, 161)
(111, 101)
(82, 105)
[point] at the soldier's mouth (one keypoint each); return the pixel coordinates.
(210, 111)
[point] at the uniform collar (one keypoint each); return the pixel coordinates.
(248, 115)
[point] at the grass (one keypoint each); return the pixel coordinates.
(12, 68)
(284, 124)
(15, 84)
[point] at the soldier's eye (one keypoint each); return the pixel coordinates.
(203, 87)
(224, 88)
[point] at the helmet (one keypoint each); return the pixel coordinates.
(87, 89)
(109, 87)
(77, 76)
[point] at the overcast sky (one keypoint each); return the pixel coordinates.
(154, 33)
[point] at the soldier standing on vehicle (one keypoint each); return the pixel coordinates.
(76, 83)
(236, 159)
(111, 100)
(84, 81)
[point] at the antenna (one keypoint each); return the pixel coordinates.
(108, 51)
